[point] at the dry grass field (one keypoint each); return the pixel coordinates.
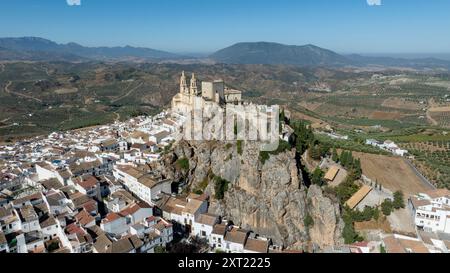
(382, 223)
(391, 172)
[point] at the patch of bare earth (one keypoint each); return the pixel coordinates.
(385, 115)
(392, 173)
(381, 224)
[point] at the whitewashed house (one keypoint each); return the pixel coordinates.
(432, 210)
(184, 211)
(29, 219)
(30, 242)
(114, 224)
(3, 243)
(137, 213)
(217, 238)
(9, 220)
(235, 239)
(204, 225)
(144, 185)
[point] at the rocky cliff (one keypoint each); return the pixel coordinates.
(268, 198)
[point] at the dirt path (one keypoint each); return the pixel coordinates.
(117, 116)
(19, 94)
(429, 117)
(46, 70)
(128, 93)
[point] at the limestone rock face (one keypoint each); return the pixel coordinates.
(268, 198)
(328, 225)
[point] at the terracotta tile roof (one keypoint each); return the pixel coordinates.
(400, 245)
(74, 229)
(419, 202)
(219, 229)
(103, 244)
(65, 174)
(438, 193)
(193, 206)
(199, 197)
(129, 210)
(90, 205)
(125, 245)
(33, 197)
(49, 221)
(6, 212)
(52, 183)
(95, 231)
(255, 245)
(111, 217)
(84, 166)
(172, 205)
(207, 219)
(28, 213)
(89, 182)
(236, 235)
(84, 218)
(109, 142)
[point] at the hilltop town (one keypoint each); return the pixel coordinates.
(93, 191)
(101, 190)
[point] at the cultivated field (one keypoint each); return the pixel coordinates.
(385, 115)
(432, 158)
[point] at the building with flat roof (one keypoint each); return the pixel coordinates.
(432, 210)
(358, 196)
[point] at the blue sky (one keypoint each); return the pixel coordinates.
(346, 26)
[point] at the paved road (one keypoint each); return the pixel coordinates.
(420, 175)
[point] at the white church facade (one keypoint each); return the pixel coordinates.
(211, 93)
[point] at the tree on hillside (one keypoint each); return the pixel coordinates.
(303, 137)
(399, 202)
(324, 149)
(314, 152)
(317, 177)
(387, 207)
(335, 156)
(357, 168)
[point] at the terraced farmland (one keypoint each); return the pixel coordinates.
(432, 158)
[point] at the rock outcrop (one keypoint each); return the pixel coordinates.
(268, 198)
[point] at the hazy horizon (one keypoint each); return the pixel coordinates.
(199, 54)
(201, 26)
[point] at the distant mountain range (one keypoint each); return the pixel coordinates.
(273, 53)
(39, 49)
(310, 55)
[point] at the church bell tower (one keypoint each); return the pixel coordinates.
(193, 89)
(183, 84)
